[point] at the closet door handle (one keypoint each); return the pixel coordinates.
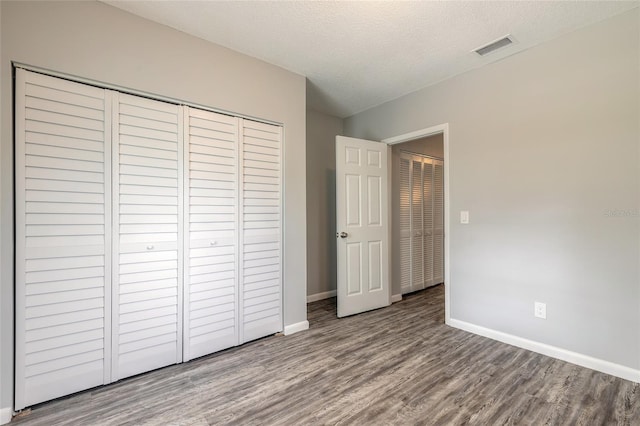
(213, 243)
(149, 247)
(342, 234)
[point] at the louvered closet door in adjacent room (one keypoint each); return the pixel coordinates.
(147, 235)
(261, 232)
(417, 255)
(405, 222)
(421, 189)
(438, 226)
(211, 232)
(428, 218)
(62, 249)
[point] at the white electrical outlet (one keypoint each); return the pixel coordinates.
(540, 310)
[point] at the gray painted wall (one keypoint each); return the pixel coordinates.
(542, 145)
(431, 146)
(321, 201)
(99, 42)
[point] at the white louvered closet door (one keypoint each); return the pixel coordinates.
(405, 222)
(147, 235)
(126, 260)
(421, 222)
(428, 218)
(261, 231)
(62, 250)
(438, 229)
(211, 233)
(417, 255)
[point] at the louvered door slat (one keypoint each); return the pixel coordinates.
(147, 235)
(62, 250)
(261, 264)
(211, 232)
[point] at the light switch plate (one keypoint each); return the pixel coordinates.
(464, 217)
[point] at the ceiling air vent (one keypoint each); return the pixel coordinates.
(494, 45)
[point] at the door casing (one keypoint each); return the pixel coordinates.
(418, 134)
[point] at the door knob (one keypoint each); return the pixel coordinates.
(342, 235)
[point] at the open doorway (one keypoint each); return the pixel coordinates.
(418, 212)
(417, 203)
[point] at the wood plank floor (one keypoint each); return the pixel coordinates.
(395, 366)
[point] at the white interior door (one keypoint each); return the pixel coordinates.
(362, 225)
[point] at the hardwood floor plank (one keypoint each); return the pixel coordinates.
(394, 366)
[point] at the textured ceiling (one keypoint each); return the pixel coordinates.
(360, 54)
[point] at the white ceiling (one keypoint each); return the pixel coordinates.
(360, 54)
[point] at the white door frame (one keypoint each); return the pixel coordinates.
(406, 137)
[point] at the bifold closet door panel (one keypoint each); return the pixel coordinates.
(405, 223)
(428, 221)
(62, 249)
(211, 233)
(438, 214)
(417, 244)
(261, 215)
(147, 235)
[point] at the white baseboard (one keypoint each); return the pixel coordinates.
(396, 298)
(603, 366)
(294, 328)
(321, 296)
(5, 415)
